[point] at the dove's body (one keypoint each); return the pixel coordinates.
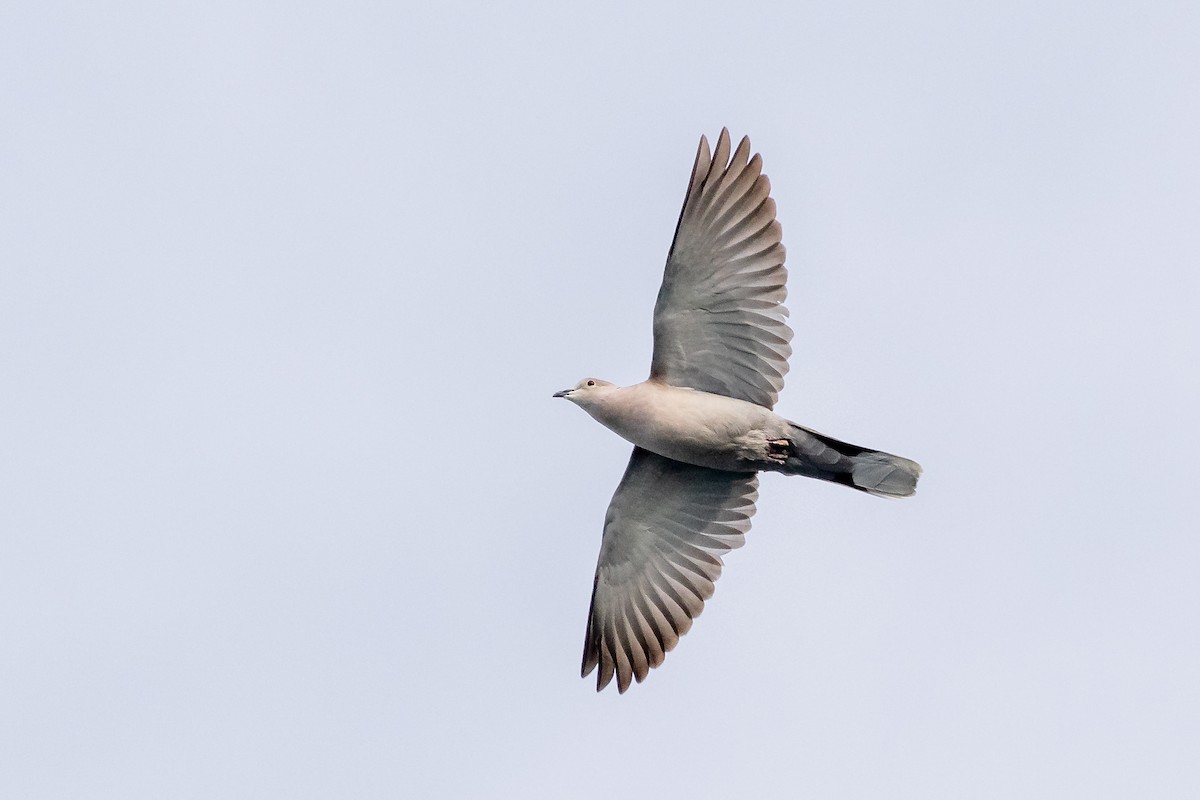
(725, 433)
(708, 430)
(702, 424)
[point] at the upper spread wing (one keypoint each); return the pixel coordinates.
(719, 324)
(666, 527)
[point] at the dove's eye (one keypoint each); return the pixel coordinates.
(591, 383)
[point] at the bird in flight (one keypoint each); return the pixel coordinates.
(702, 425)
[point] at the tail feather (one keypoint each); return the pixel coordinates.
(819, 456)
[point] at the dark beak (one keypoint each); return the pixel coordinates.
(563, 393)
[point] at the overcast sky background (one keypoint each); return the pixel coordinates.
(287, 510)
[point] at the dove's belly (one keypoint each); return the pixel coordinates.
(695, 427)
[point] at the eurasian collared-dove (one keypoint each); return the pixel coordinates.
(702, 425)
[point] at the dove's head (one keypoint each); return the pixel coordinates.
(588, 391)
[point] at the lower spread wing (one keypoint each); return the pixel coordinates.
(666, 527)
(720, 324)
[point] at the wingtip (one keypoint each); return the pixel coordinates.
(721, 152)
(724, 140)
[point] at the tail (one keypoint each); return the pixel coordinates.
(819, 456)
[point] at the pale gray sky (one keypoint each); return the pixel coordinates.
(287, 511)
